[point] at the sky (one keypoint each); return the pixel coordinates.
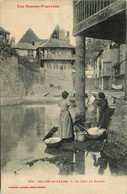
(41, 20)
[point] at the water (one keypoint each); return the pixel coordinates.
(22, 130)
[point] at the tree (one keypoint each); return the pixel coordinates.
(93, 46)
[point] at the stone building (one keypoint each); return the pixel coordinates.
(110, 68)
(57, 57)
(28, 44)
(100, 20)
(103, 69)
(118, 66)
(4, 36)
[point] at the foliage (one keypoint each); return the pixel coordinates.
(28, 70)
(6, 50)
(93, 46)
(32, 66)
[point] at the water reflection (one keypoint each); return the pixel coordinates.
(100, 162)
(22, 130)
(20, 126)
(80, 162)
(70, 162)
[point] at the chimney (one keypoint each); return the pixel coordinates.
(12, 41)
(62, 34)
(68, 36)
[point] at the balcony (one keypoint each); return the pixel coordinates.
(85, 8)
(56, 57)
(98, 18)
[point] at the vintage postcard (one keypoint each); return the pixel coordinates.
(63, 96)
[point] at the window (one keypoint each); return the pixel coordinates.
(56, 66)
(55, 36)
(117, 70)
(73, 52)
(51, 85)
(30, 53)
(61, 67)
(69, 66)
(42, 64)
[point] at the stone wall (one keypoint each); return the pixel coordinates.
(58, 77)
(117, 134)
(18, 81)
(12, 89)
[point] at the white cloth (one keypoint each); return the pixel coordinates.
(92, 98)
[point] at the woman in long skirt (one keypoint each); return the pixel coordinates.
(65, 127)
(104, 109)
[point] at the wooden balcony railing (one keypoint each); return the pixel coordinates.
(86, 8)
(56, 57)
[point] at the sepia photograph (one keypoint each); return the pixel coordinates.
(63, 90)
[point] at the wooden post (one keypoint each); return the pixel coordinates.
(80, 77)
(126, 60)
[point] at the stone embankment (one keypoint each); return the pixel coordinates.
(16, 80)
(116, 144)
(12, 89)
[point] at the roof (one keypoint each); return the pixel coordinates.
(59, 41)
(53, 43)
(29, 41)
(27, 46)
(29, 36)
(2, 31)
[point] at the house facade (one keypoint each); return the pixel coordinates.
(95, 19)
(110, 68)
(4, 36)
(28, 44)
(118, 66)
(57, 57)
(103, 70)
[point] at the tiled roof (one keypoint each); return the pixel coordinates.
(2, 31)
(57, 39)
(53, 43)
(29, 41)
(29, 36)
(29, 45)
(25, 46)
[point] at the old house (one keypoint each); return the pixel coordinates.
(103, 69)
(57, 57)
(4, 36)
(95, 19)
(28, 44)
(118, 66)
(90, 79)
(110, 68)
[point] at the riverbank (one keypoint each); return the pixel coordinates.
(115, 147)
(49, 98)
(29, 100)
(116, 144)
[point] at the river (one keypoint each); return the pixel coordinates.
(22, 130)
